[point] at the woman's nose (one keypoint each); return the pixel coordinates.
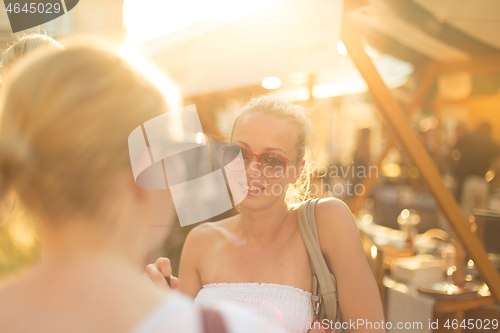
(253, 169)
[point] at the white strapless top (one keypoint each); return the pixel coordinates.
(286, 306)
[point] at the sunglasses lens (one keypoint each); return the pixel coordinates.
(272, 165)
(234, 157)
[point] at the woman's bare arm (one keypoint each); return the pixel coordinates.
(189, 276)
(189, 281)
(341, 245)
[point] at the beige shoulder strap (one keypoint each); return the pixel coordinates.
(311, 218)
(324, 283)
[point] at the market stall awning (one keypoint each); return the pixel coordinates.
(285, 37)
(428, 30)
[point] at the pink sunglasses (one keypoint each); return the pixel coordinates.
(271, 165)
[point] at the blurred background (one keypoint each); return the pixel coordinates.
(441, 62)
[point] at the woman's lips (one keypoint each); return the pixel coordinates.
(251, 190)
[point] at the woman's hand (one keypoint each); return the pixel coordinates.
(161, 274)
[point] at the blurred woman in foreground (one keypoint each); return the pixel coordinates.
(65, 119)
(22, 247)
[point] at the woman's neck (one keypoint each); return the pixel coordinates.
(94, 284)
(85, 240)
(74, 255)
(261, 226)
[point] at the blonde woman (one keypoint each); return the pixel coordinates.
(258, 258)
(65, 119)
(11, 215)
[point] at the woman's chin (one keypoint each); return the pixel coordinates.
(253, 202)
(257, 202)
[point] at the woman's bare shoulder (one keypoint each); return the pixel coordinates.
(338, 233)
(335, 219)
(328, 206)
(208, 232)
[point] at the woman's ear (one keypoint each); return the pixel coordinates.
(139, 192)
(129, 184)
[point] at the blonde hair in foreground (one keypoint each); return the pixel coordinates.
(66, 117)
(24, 46)
(305, 138)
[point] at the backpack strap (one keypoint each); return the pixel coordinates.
(212, 321)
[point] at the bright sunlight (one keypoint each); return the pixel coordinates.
(147, 19)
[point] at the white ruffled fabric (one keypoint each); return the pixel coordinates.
(286, 306)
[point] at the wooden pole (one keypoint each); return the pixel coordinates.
(397, 118)
(428, 79)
